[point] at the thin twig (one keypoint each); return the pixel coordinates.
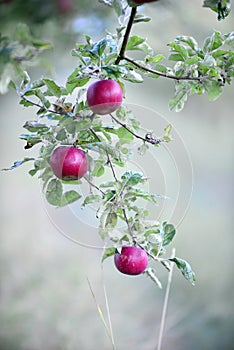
(161, 74)
(100, 312)
(148, 139)
(108, 310)
(128, 224)
(38, 105)
(165, 304)
(107, 154)
(93, 185)
(126, 35)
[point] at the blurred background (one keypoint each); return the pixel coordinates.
(45, 300)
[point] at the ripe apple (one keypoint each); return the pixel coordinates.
(139, 2)
(65, 6)
(104, 96)
(131, 261)
(68, 163)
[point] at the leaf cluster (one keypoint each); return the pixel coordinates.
(17, 53)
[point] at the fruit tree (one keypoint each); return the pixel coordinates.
(91, 140)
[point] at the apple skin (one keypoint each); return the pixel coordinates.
(104, 96)
(68, 163)
(131, 261)
(139, 2)
(65, 6)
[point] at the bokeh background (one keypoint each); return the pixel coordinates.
(45, 299)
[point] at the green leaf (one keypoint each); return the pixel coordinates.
(98, 169)
(176, 57)
(214, 90)
(78, 82)
(111, 220)
(83, 125)
(168, 232)
(180, 49)
(53, 88)
(190, 41)
(34, 126)
(179, 100)
(31, 139)
(124, 135)
(118, 7)
(54, 192)
(41, 96)
(91, 198)
(26, 103)
(222, 7)
(134, 42)
(69, 197)
(213, 42)
(18, 163)
(141, 18)
(154, 59)
(61, 135)
(167, 130)
(110, 251)
(131, 178)
(133, 76)
(185, 269)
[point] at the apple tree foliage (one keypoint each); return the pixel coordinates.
(108, 141)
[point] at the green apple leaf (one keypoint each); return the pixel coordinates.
(18, 163)
(110, 251)
(168, 232)
(91, 198)
(54, 192)
(69, 197)
(185, 269)
(53, 88)
(131, 178)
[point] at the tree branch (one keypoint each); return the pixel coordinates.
(94, 186)
(38, 105)
(126, 35)
(148, 138)
(165, 75)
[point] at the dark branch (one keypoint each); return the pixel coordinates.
(126, 35)
(165, 75)
(94, 186)
(148, 137)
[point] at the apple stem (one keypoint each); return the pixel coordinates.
(126, 35)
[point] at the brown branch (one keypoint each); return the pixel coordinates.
(94, 186)
(38, 105)
(126, 35)
(161, 74)
(148, 138)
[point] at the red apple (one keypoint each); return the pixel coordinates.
(68, 163)
(65, 6)
(139, 2)
(104, 96)
(131, 261)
